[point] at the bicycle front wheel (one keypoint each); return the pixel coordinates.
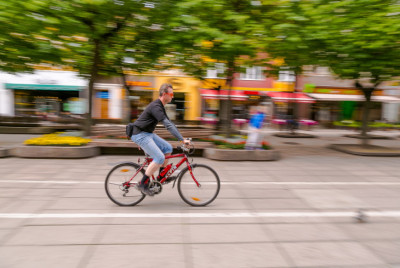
(202, 188)
(120, 189)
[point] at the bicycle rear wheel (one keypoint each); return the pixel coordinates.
(119, 190)
(202, 194)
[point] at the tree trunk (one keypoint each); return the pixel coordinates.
(126, 117)
(229, 81)
(93, 77)
(364, 128)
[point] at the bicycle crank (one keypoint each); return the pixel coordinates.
(155, 187)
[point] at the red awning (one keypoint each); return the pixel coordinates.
(223, 94)
(298, 97)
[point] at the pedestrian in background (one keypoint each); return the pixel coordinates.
(256, 123)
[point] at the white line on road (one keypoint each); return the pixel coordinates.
(305, 214)
(227, 182)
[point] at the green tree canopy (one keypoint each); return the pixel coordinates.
(209, 31)
(95, 37)
(356, 39)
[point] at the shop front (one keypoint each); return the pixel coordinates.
(141, 93)
(42, 94)
(186, 104)
(336, 104)
(243, 95)
(45, 100)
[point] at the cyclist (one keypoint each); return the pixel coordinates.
(156, 147)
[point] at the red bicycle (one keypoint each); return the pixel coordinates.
(198, 184)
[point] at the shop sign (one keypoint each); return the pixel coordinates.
(43, 87)
(102, 95)
(138, 83)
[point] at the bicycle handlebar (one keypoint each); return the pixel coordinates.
(189, 149)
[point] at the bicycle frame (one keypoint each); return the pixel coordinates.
(148, 160)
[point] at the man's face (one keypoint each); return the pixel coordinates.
(169, 96)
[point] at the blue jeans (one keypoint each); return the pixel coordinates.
(153, 145)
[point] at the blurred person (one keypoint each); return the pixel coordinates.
(255, 125)
(292, 123)
(141, 133)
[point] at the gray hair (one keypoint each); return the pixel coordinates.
(164, 88)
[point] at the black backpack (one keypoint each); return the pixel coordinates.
(129, 130)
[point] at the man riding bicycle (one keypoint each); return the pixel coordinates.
(156, 147)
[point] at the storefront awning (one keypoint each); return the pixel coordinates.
(223, 94)
(290, 97)
(43, 87)
(344, 97)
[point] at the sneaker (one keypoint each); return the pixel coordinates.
(145, 190)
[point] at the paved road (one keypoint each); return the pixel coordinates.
(296, 212)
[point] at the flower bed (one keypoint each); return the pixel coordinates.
(237, 142)
(56, 145)
(233, 149)
(356, 124)
(57, 139)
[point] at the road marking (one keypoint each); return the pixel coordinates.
(305, 214)
(227, 182)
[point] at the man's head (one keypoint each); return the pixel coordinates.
(166, 93)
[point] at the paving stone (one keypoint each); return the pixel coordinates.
(325, 254)
(306, 232)
(237, 255)
(387, 250)
(54, 235)
(227, 233)
(81, 203)
(327, 199)
(154, 255)
(144, 233)
(41, 256)
(371, 230)
(209, 241)
(282, 204)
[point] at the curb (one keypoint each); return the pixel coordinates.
(294, 135)
(4, 152)
(241, 155)
(26, 130)
(358, 136)
(25, 151)
(371, 150)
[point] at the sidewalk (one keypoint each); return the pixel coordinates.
(300, 211)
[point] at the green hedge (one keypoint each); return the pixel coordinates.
(357, 124)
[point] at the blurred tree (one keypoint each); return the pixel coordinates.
(100, 37)
(216, 31)
(361, 42)
(22, 46)
(356, 39)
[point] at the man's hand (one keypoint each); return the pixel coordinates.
(187, 141)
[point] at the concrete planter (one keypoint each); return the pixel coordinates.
(3, 152)
(56, 151)
(240, 155)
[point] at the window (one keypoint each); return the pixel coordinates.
(253, 73)
(217, 72)
(287, 76)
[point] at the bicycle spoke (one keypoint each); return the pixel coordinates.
(205, 192)
(117, 188)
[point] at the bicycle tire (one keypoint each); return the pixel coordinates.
(117, 176)
(203, 195)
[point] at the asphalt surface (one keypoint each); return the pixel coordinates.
(300, 211)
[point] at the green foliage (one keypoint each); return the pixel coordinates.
(69, 33)
(355, 38)
(356, 124)
(220, 30)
